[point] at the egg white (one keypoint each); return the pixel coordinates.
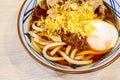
(106, 35)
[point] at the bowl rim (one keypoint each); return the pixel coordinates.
(53, 68)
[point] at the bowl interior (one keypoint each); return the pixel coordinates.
(23, 20)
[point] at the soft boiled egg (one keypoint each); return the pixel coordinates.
(105, 36)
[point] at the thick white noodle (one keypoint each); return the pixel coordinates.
(78, 57)
(36, 28)
(35, 46)
(40, 42)
(49, 46)
(34, 35)
(73, 52)
(74, 61)
(56, 38)
(55, 50)
(67, 51)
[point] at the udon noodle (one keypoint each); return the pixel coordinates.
(52, 38)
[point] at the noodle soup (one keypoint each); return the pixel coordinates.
(73, 33)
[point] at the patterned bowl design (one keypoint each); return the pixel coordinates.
(23, 19)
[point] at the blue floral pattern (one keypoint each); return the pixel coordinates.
(30, 7)
(115, 4)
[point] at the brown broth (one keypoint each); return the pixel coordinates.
(38, 12)
(109, 16)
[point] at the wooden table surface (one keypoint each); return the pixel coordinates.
(17, 64)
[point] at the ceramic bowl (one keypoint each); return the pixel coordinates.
(23, 19)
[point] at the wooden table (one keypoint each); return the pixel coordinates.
(17, 64)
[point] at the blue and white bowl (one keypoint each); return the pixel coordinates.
(23, 20)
